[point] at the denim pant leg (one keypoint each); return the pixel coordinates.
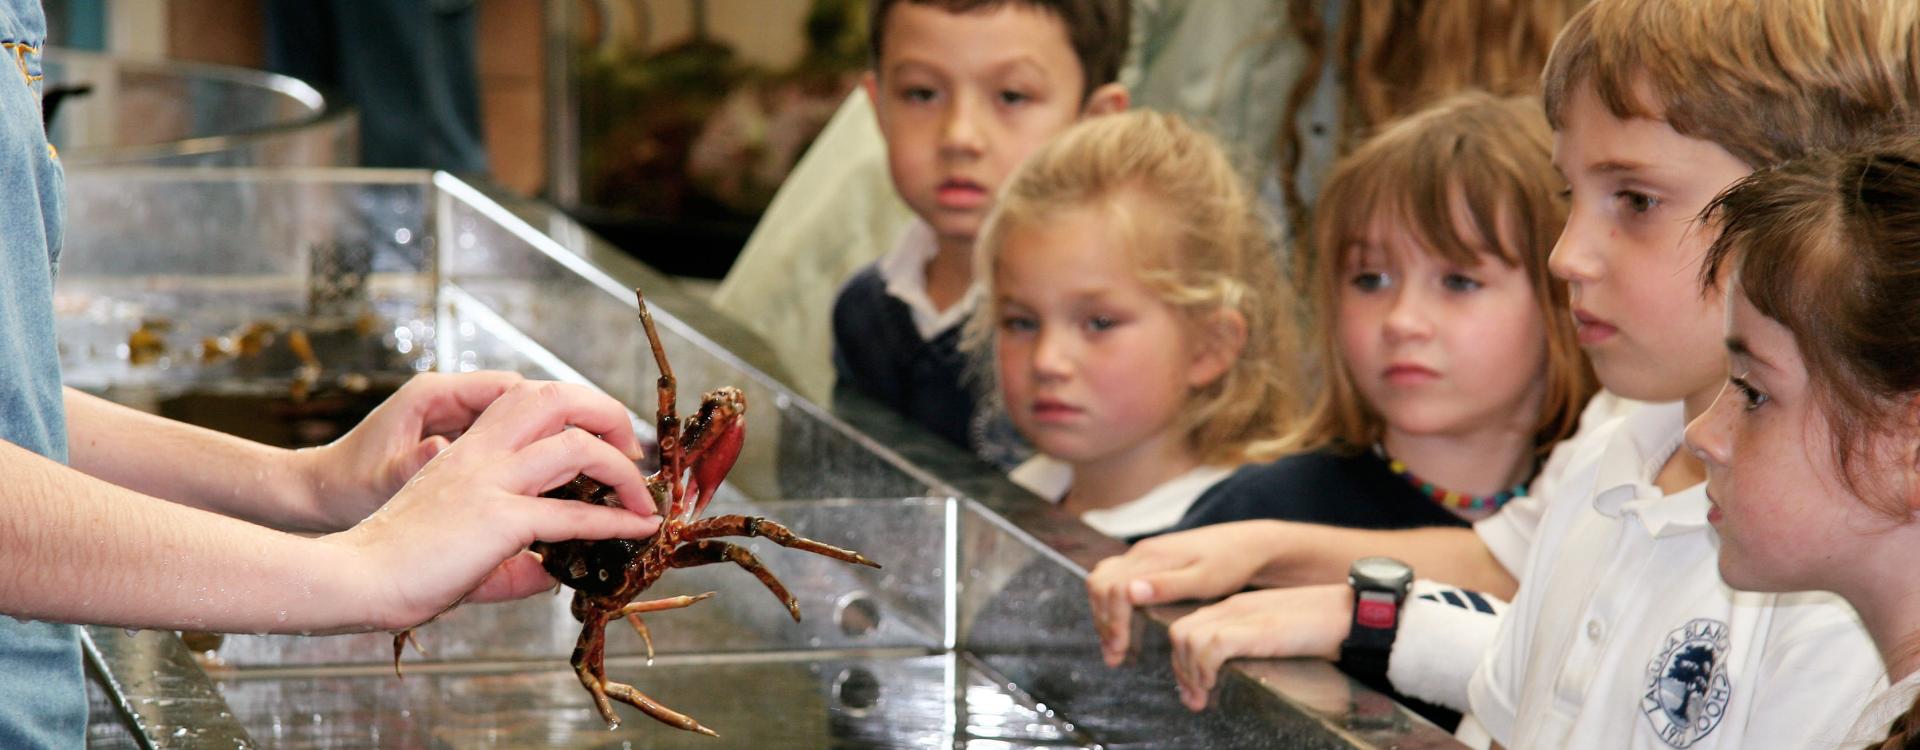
(408, 65)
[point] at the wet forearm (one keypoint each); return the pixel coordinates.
(190, 465)
(78, 549)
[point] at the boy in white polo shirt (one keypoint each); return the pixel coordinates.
(1622, 634)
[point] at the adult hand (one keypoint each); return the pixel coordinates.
(459, 529)
(1199, 564)
(1303, 621)
(350, 477)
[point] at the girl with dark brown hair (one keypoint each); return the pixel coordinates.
(1813, 448)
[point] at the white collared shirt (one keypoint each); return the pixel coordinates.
(1156, 510)
(1623, 636)
(905, 270)
(1872, 727)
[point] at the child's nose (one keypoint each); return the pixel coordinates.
(961, 134)
(1051, 358)
(1706, 435)
(1409, 317)
(1573, 259)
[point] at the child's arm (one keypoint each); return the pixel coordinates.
(1217, 560)
(78, 549)
(1443, 634)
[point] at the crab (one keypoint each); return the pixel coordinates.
(607, 576)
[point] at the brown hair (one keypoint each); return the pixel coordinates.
(1098, 30)
(1767, 81)
(1196, 237)
(1830, 248)
(1394, 58)
(1487, 158)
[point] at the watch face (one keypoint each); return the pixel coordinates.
(1382, 571)
(1376, 610)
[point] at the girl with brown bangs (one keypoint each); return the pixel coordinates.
(1450, 366)
(1813, 448)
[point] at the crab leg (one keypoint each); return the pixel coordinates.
(589, 662)
(733, 525)
(666, 420)
(695, 554)
(632, 613)
(400, 641)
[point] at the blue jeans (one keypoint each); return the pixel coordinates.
(43, 700)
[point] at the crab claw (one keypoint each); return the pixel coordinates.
(713, 444)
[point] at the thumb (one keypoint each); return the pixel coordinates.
(519, 576)
(422, 452)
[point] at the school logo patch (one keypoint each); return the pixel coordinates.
(1687, 687)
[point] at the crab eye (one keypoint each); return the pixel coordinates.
(603, 574)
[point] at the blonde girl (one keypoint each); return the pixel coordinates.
(1810, 450)
(1139, 334)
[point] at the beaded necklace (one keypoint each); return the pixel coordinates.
(1448, 498)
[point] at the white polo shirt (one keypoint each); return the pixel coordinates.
(1156, 510)
(1623, 636)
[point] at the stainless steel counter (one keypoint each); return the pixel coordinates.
(974, 635)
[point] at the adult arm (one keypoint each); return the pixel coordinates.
(328, 488)
(80, 549)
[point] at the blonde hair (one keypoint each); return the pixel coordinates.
(1767, 81)
(1195, 236)
(1473, 155)
(1393, 58)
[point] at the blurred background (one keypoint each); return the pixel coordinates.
(657, 123)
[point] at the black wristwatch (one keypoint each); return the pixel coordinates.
(1379, 590)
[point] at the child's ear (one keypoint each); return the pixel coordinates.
(872, 87)
(1225, 336)
(1106, 100)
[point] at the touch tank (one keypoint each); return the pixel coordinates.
(974, 635)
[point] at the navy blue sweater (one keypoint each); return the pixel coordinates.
(877, 351)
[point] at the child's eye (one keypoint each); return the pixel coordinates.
(1098, 323)
(1370, 281)
(1013, 98)
(1753, 395)
(917, 94)
(1637, 202)
(1018, 324)
(1455, 282)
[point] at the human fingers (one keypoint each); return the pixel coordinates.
(1251, 624)
(555, 460)
(448, 404)
(532, 410)
(422, 452)
(1111, 606)
(550, 520)
(1199, 647)
(516, 577)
